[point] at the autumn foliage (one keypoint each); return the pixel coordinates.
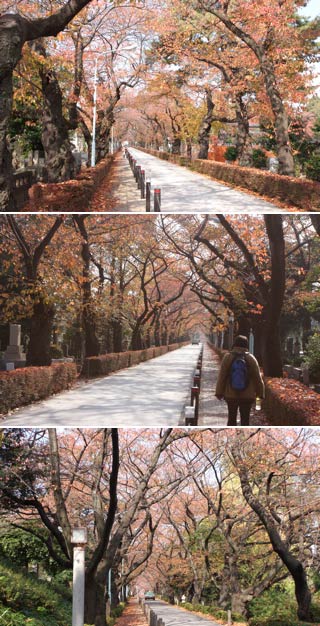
(72, 195)
(290, 402)
(29, 384)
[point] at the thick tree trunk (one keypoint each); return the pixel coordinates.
(242, 137)
(284, 150)
(205, 128)
(14, 32)
(96, 598)
(176, 145)
(117, 334)
(38, 352)
(59, 159)
(272, 358)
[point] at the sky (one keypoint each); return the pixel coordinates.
(312, 9)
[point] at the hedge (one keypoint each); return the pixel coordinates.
(28, 384)
(273, 621)
(299, 192)
(289, 402)
(105, 364)
(70, 196)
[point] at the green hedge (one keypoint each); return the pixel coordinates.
(105, 364)
(298, 192)
(28, 384)
(273, 621)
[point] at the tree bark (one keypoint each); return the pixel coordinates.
(92, 347)
(292, 563)
(272, 353)
(242, 132)
(205, 128)
(59, 159)
(38, 352)
(15, 30)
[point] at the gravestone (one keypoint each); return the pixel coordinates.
(13, 353)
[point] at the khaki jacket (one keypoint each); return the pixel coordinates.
(255, 387)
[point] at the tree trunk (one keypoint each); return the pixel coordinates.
(38, 352)
(95, 599)
(9, 57)
(205, 128)
(280, 546)
(176, 145)
(117, 334)
(242, 136)
(59, 159)
(92, 347)
(15, 30)
(272, 357)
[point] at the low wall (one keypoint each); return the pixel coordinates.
(70, 196)
(105, 364)
(298, 192)
(28, 384)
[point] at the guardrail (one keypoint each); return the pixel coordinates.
(144, 185)
(191, 411)
(151, 616)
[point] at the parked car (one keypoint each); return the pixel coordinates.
(149, 595)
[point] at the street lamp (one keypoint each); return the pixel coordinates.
(79, 540)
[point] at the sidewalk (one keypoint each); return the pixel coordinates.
(212, 412)
(118, 192)
(132, 615)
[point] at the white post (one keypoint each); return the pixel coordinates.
(251, 342)
(94, 121)
(79, 539)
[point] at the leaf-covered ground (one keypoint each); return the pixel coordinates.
(132, 615)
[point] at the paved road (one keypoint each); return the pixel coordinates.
(173, 616)
(184, 191)
(150, 394)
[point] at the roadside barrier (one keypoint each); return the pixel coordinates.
(191, 412)
(144, 185)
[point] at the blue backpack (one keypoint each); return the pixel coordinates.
(239, 374)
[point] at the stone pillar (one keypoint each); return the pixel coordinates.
(13, 353)
(78, 585)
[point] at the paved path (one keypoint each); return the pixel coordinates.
(124, 190)
(173, 616)
(148, 395)
(189, 192)
(212, 412)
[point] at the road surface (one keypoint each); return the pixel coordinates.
(173, 616)
(151, 394)
(184, 191)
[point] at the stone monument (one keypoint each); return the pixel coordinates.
(13, 353)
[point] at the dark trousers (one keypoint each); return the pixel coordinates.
(244, 407)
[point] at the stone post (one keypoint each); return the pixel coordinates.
(79, 540)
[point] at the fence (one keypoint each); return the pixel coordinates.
(191, 412)
(144, 185)
(22, 181)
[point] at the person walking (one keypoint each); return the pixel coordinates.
(239, 381)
